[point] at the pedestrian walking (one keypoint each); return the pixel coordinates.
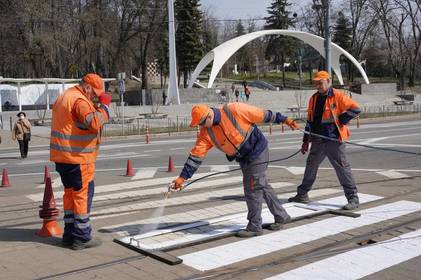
(233, 131)
(329, 112)
(22, 133)
(75, 137)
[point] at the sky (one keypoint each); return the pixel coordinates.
(242, 9)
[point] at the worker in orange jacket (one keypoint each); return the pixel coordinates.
(75, 138)
(232, 130)
(329, 112)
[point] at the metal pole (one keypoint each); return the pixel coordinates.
(173, 94)
(327, 37)
(47, 96)
(19, 99)
(122, 112)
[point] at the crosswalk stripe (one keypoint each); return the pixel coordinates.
(296, 170)
(219, 168)
(124, 186)
(201, 229)
(148, 191)
(173, 201)
(204, 214)
(359, 263)
(392, 174)
(145, 173)
(56, 183)
(226, 254)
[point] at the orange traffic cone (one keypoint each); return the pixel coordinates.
(129, 170)
(49, 213)
(147, 135)
(170, 165)
(46, 174)
(5, 179)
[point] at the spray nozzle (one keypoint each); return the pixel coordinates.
(171, 189)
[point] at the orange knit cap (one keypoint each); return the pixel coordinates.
(95, 82)
(198, 114)
(321, 75)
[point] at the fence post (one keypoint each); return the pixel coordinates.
(178, 128)
(11, 123)
(1, 121)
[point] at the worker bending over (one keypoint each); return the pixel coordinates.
(232, 129)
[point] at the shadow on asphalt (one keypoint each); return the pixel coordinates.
(27, 235)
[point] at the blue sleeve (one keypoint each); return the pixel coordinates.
(277, 118)
(190, 167)
(348, 115)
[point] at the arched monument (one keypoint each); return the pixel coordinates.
(223, 52)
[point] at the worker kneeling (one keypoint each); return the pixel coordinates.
(232, 130)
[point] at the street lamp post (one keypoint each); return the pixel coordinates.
(325, 4)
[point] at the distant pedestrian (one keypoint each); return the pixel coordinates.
(247, 93)
(22, 132)
(164, 97)
(232, 88)
(244, 83)
(237, 94)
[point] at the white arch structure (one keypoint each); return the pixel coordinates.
(223, 52)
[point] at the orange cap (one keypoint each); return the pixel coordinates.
(95, 82)
(198, 114)
(321, 75)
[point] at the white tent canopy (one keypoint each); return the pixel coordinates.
(223, 52)
(19, 92)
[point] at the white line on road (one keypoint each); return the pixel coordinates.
(145, 173)
(361, 262)
(123, 186)
(393, 174)
(253, 247)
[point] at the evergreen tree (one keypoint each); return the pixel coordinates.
(342, 33)
(188, 35)
(279, 48)
(242, 54)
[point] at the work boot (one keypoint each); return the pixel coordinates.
(299, 198)
(353, 203)
(248, 233)
(80, 245)
(278, 225)
(66, 243)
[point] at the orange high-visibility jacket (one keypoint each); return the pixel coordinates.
(75, 128)
(339, 109)
(236, 125)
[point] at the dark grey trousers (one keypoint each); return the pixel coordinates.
(335, 152)
(257, 188)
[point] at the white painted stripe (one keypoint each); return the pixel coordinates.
(219, 168)
(109, 157)
(201, 214)
(393, 174)
(28, 162)
(296, 170)
(205, 229)
(174, 149)
(148, 191)
(56, 183)
(176, 200)
(228, 254)
(361, 262)
(125, 186)
(151, 151)
(145, 173)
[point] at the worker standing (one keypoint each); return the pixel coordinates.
(75, 138)
(232, 130)
(329, 112)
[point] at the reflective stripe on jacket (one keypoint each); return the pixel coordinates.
(339, 109)
(235, 135)
(75, 128)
